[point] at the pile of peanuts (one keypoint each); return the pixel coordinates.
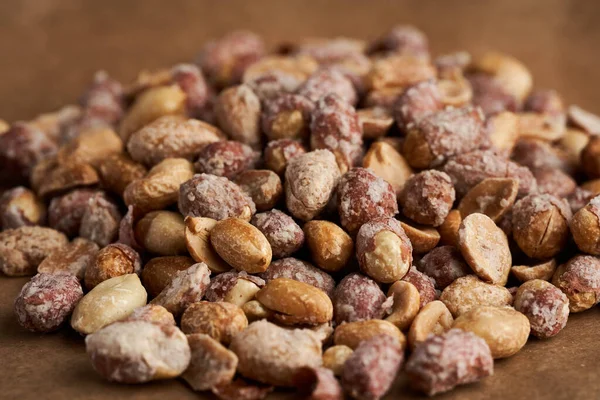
(306, 218)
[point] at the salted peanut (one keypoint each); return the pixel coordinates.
(66, 212)
(272, 355)
(442, 362)
(151, 105)
(448, 230)
(456, 92)
(295, 302)
(113, 260)
(401, 39)
(583, 119)
(310, 180)
(278, 153)
(512, 76)
(492, 197)
(263, 186)
(286, 116)
(415, 103)
(438, 136)
(211, 363)
(160, 271)
(423, 238)
(388, 164)
(171, 136)
(295, 67)
(226, 158)
(434, 318)
(328, 81)
(485, 248)
(71, 259)
(197, 241)
(427, 197)
(91, 146)
(468, 292)
(589, 158)
(546, 307)
(371, 370)
(284, 235)
(406, 304)
(255, 311)
(543, 271)
(541, 126)
(540, 154)
(216, 197)
(63, 177)
(160, 187)
(541, 225)
(241, 245)
(20, 206)
(301, 271)
(504, 329)
(444, 265)
(23, 249)
(4, 126)
(579, 279)
(162, 233)
(555, 182)
(384, 98)
(335, 357)
(151, 313)
(187, 287)
(100, 220)
(351, 334)
(424, 284)
(237, 110)
(110, 301)
(138, 351)
(399, 71)
(330, 247)
(585, 227)
(503, 131)
(219, 320)
(383, 250)
(375, 121)
(45, 302)
(119, 170)
(357, 298)
(573, 142)
(234, 287)
(318, 383)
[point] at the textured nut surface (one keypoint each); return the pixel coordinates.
(219, 320)
(363, 196)
(434, 318)
(503, 131)
(226, 158)
(160, 187)
(444, 265)
(299, 270)
(399, 71)
(238, 113)
(65, 212)
(546, 307)
(110, 301)
(543, 271)
(468, 292)
(370, 371)
(325, 82)
(171, 137)
(138, 351)
(151, 313)
(119, 170)
(255, 311)
(100, 220)
(504, 329)
(310, 180)
(284, 235)
(187, 287)
(286, 116)
(422, 238)
(579, 279)
(162, 233)
(113, 260)
(46, 301)
(383, 250)
(416, 102)
(485, 248)
(296, 302)
(388, 164)
(270, 354)
(214, 197)
(427, 197)
(318, 383)
(72, 259)
(445, 361)
(375, 121)
(448, 230)
(91, 146)
(585, 227)
(64, 177)
(263, 186)
(357, 298)
(160, 271)
(278, 153)
(424, 284)
(241, 245)
(541, 225)
(351, 334)
(19, 206)
(406, 304)
(492, 197)
(234, 287)
(197, 240)
(330, 247)
(211, 363)
(24, 248)
(335, 357)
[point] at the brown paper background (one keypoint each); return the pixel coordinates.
(49, 50)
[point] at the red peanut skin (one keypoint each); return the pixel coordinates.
(424, 284)
(357, 298)
(370, 371)
(318, 384)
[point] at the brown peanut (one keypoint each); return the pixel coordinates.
(219, 320)
(406, 304)
(492, 197)
(335, 357)
(351, 334)
(162, 233)
(160, 271)
(468, 292)
(434, 318)
(330, 247)
(197, 240)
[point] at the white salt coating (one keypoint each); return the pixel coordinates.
(528, 208)
(468, 292)
(357, 298)
(326, 81)
(584, 119)
(583, 272)
(427, 197)
(72, 259)
(211, 363)
(187, 287)
(225, 158)
(301, 271)
(546, 307)
(284, 235)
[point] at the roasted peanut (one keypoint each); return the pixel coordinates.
(234, 287)
(579, 279)
(335, 357)
(162, 233)
(357, 298)
(197, 240)
(219, 320)
(492, 197)
(19, 206)
(301, 271)
(427, 197)
(160, 271)
(448, 230)
(113, 260)
(284, 235)
(330, 247)
(422, 238)
(546, 307)
(388, 164)
(434, 318)
(585, 227)
(543, 271)
(71, 259)
(406, 304)
(263, 186)
(187, 287)
(468, 292)
(238, 113)
(211, 363)
(351, 334)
